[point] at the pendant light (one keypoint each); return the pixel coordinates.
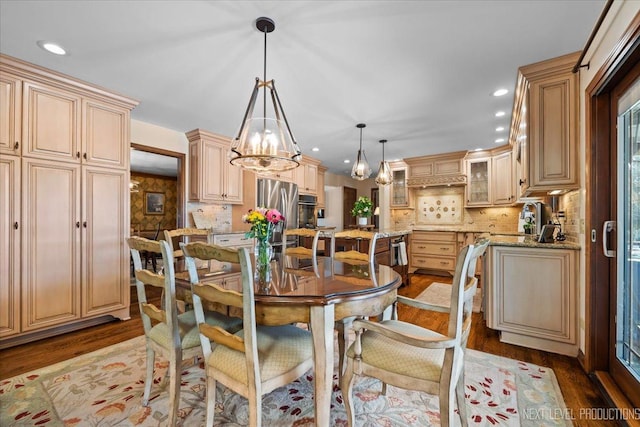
(384, 173)
(361, 169)
(265, 144)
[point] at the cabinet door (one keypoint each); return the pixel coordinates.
(320, 189)
(50, 123)
(105, 135)
(50, 243)
(553, 133)
(534, 293)
(212, 171)
(105, 272)
(311, 179)
(399, 189)
(478, 187)
(233, 183)
(502, 177)
(9, 245)
(10, 114)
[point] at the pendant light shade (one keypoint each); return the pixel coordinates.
(384, 172)
(361, 169)
(265, 143)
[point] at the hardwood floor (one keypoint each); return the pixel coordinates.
(579, 392)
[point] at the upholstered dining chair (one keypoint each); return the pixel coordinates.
(412, 357)
(174, 237)
(167, 333)
(353, 257)
(255, 360)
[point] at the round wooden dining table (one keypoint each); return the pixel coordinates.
(318, 295)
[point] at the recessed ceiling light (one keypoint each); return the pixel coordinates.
(347, 161)
(499, 128)
(51, 47)
(499, 140)
(500, 92)
(500, 114)
(315, 149)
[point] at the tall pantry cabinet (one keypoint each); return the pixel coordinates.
(64, 168)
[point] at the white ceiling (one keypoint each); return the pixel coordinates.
(419, 73)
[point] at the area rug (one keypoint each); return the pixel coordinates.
(440, 294)
(104, 388)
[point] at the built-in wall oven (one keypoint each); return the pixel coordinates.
(307, 211)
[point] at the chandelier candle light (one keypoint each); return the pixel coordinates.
(265, 144)
(361, 169)
(384, 173)
(263, 221)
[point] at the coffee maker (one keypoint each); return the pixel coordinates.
(535, 213)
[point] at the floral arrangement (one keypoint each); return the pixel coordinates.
(262, 222)
(362, 207)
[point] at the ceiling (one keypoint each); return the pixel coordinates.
(419, 73)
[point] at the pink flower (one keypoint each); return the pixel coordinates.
(274, 216)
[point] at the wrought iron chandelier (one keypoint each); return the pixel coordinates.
(361, 169)
(265, 144)
(384, 172)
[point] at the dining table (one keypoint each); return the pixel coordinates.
(316, 294)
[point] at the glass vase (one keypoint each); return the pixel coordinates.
(263, 252)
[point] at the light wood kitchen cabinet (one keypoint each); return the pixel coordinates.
(399, 188)
(321, 195)
(9, 245)
(478, 189)
(531, 297)
(65, 204)
(211, 177)
(307, 176)
(438, 170)
(287, 176)
(502, 179)
(547, 101)
(489, 178)
(433, 250)
(10, 114)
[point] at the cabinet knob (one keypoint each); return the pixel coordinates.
(84, 224)
(78, 155)
(16, 145)
(85, 156)
(77, 224)
(15, 225)
(522, 181)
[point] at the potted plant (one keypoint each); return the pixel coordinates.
(362, 209)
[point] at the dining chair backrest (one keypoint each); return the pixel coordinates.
(143, 277)
(357, 236)
(257, 359)
(299, 250)
(174, 237)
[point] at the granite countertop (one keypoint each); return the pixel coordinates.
(527, 241)
(455, 228)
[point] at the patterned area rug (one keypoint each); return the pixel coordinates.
(440, 294)
(104, 388)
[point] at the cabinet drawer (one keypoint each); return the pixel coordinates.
(433, 248)
(433, 262)
(382, 245)
(438, 236)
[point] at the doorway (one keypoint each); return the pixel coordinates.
(375, 196)
(349, 196)
(153, 165)
(612, 346)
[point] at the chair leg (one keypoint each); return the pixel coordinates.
(447, 408)
(148, 381)
(255, 408)
(462, 402)
(211, 401)
(174, 386)
(343, 326)
(346, 384)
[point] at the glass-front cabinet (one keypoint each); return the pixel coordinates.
(399, 189)
(478, 182)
